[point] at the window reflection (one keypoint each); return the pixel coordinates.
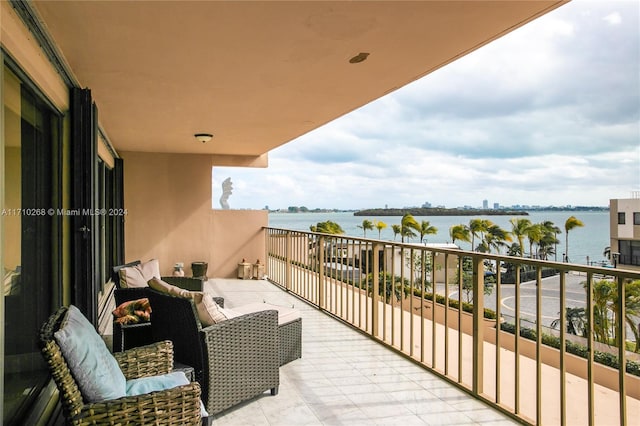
(30, 130)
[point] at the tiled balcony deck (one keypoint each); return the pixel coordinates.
(345, 378)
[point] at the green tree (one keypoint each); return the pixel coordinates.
(549, 241)
(478, 227)
(426, 228)
(380, 226)
(467, 280)
(571, 223)
(367, 225)
(460, 232)
(534, 235)
(603, 292)
(422, 265)
(327, 227)
(494, 238)
(575, 321)
(408, 225)
(519, 227)
(391, 285)
(632, 308)
(397, 229)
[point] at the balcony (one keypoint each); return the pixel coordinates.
(344, 377)
(370, 355)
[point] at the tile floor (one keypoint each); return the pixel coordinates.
(345, 378)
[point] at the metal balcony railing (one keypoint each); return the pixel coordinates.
(538, 340)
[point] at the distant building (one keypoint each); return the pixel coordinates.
(496, 206)
(485, 204)
(426, 205)
(624, 218)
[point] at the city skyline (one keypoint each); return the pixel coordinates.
(546, 115)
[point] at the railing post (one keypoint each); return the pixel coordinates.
(478, 325)
(289, 261)
(375, 294)
(321, 277)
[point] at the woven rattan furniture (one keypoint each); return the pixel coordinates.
(234, 360)
(289, 328)
(177, 406)
(126, 337)
(290, 337)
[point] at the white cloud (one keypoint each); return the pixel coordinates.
(613, 18)
(549, 114)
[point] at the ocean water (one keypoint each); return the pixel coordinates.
(586, 244)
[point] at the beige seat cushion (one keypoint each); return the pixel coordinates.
(285, 314)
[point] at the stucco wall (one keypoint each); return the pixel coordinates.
(169, 216)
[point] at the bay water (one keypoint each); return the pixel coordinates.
(586, 243)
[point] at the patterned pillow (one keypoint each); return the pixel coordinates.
(133, 311)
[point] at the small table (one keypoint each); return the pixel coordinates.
(127, 336)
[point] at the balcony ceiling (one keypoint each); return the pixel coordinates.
(257, 74)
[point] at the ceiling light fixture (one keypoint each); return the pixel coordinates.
(203, 137)
(360, 57)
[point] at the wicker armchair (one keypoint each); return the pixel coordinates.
(234, 360)
(177, 406)
(142, 334)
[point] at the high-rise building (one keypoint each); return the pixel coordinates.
(485, 204)
(624, 219)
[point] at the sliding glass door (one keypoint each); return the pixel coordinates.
(31, 240)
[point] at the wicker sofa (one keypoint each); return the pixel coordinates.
(175, 406)
(234, 360)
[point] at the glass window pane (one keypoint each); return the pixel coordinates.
(28, 240)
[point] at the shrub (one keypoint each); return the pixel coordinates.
(605, 358)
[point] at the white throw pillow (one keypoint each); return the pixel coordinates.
(139, 275)
(209, 312)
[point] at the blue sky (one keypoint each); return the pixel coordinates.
(546, 115)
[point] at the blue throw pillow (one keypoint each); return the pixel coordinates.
(158, 383)
(92, 365)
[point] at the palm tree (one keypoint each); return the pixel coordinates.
(367, 225)
(575, 321)
(478, 227)
(632, 309)
(603, 293)
(495, 237)
(425, 228)
(380, 226)
(548, 240)
(519, 229)
(327, 227)
(460, 232)
(397, 229)
(408, 224)
(534, 235)
(556, 231)
(572, 222)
